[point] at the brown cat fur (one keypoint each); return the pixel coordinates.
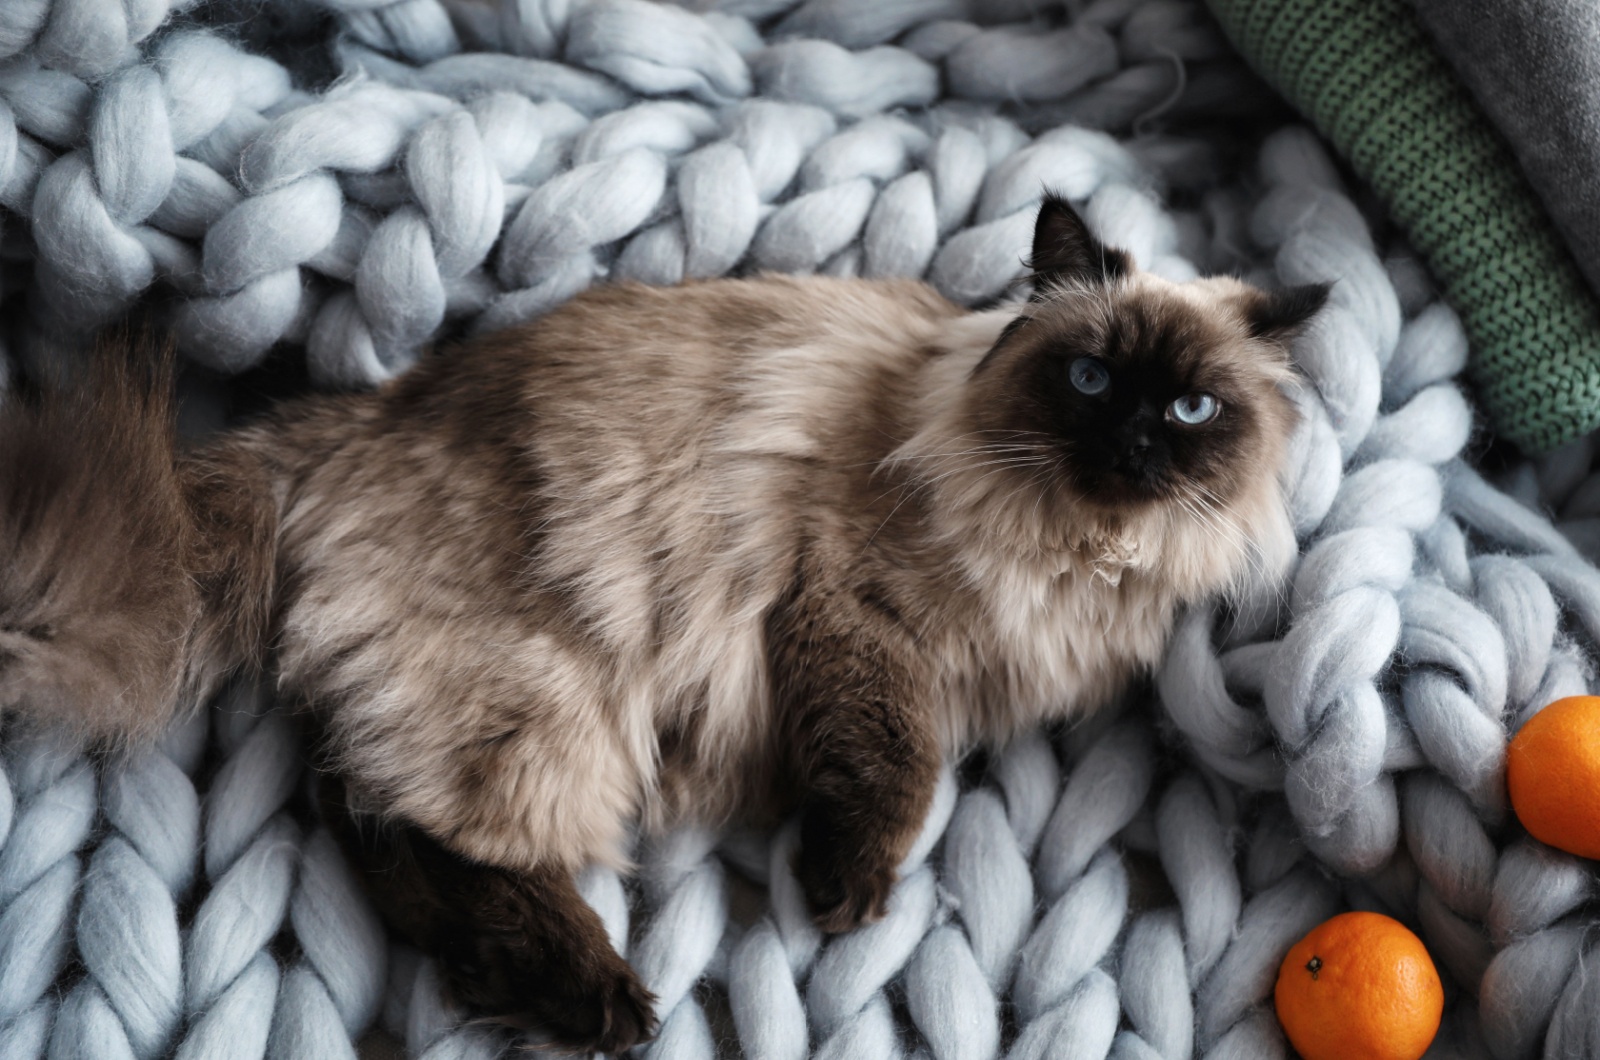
(734, 547)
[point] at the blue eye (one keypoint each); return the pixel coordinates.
(1194, 409)
(1089, 376)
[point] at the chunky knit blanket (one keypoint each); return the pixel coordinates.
(351, 178)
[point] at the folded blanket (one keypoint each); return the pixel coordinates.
(1366, 74)
(1534, 68)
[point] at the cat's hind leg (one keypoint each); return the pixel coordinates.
(520, 946)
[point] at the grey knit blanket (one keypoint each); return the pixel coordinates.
(1534, 68)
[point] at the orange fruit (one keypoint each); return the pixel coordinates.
(1553, 772)
(1359, 987)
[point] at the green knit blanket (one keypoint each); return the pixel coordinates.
(1367, 76)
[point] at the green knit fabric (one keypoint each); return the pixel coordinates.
(1369, 79)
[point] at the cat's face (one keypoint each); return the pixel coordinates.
(1137, 392)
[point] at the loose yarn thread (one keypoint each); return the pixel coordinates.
(476, 170)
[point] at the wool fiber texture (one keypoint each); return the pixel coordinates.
(354, 178)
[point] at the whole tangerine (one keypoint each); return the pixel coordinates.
(1553, 773)
(1360, 986)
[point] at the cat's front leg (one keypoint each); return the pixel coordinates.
(847, 685)
(519, 946)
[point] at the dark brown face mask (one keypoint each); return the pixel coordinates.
(1144, 395)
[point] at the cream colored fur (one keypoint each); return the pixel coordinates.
(525, 674)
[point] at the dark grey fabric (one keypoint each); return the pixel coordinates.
(1534, 67)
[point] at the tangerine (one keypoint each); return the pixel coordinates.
(1553, 773)
(1360, 986)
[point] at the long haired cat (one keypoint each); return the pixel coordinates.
(731, 548)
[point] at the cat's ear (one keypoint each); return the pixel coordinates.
(1281, 315)
(1065, 254)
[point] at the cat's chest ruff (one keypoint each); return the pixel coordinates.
(1057, 638)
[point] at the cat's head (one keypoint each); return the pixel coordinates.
(1153, 410)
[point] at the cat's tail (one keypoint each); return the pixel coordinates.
(133, 579)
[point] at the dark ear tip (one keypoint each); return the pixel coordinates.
(1280, 314)
(1054, 200)
(1315, 295)
(1065, 251)
(1056, 213)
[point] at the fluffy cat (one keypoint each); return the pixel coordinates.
(737, 547)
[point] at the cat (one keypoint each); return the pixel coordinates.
(731, 549)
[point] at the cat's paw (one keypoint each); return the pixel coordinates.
(610, 1018)
(584, 1002)
(844, 896)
